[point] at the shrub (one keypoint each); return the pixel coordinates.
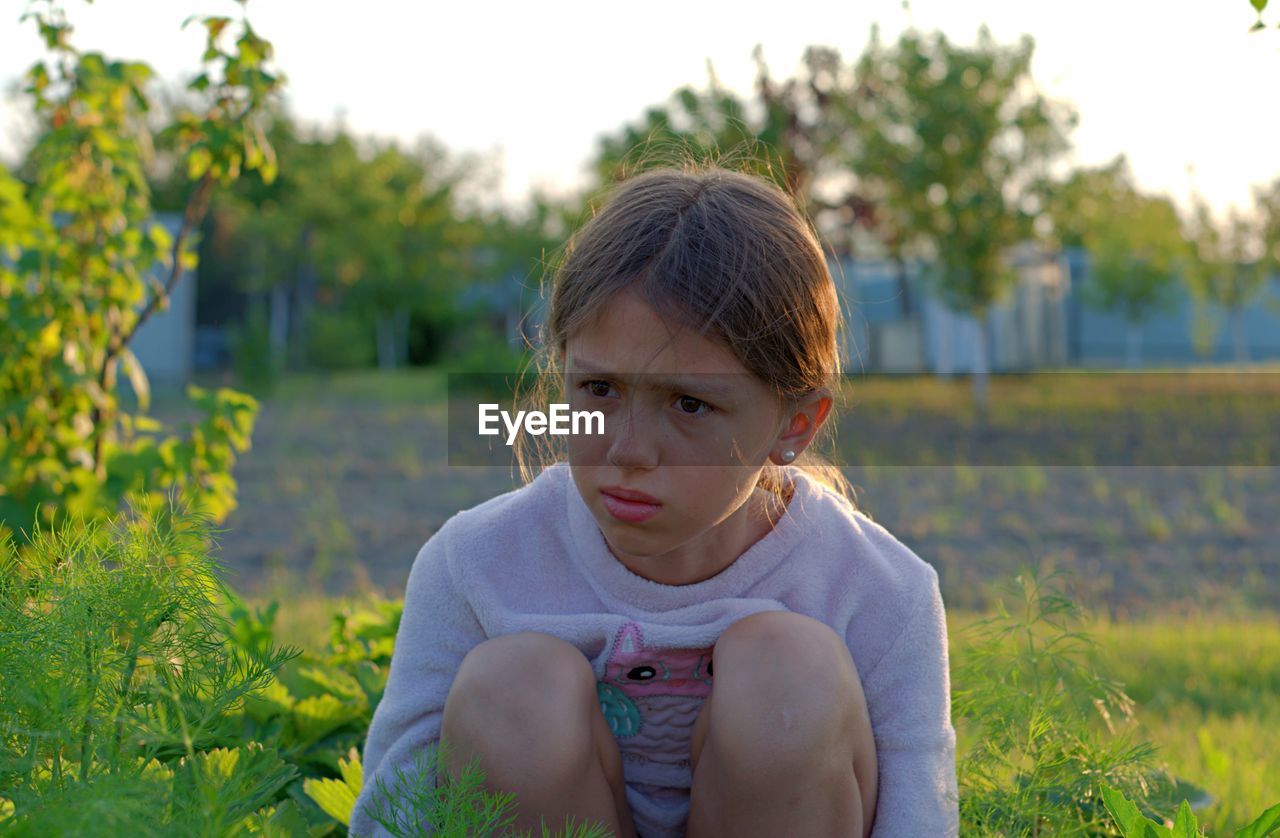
(84, 265)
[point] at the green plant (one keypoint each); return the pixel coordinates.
(454, 807)
(1031, 697)
(1133, 824)
(318, 708)
(119, 690)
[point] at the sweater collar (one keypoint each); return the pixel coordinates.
(593, 554)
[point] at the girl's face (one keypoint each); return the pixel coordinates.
(686, 425)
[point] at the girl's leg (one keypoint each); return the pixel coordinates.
(526, 704)
(783, 744)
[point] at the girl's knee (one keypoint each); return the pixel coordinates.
(525, 665)
(785, 689)
(527, 691)
(783, 647)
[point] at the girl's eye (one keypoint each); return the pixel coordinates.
(686, 401)
(597, 388)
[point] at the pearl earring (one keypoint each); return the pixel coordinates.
(788, 455)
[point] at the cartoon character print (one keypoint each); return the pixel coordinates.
(643, 686)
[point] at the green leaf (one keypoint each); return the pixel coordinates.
(284, 821)
(334, 681)
(335, 797)
(338, 797)
(1265, 824)
(198, 162)
(1130, 820)
(320, 715)
(352, 770)
(1185, 826)
(1259, 5)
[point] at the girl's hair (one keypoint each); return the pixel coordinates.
(724, 253)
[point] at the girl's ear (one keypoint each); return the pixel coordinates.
(807, 415)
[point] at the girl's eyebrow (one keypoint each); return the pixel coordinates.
(700, 382)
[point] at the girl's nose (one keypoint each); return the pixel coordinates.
(632, 442)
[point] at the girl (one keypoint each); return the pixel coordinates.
(685, 629)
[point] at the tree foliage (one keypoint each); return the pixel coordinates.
(1231, 261)
(954, 139)
(1135, 241)
(84, 266)
(370, 231)
(788, 131)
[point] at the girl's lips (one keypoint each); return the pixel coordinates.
(628, 510)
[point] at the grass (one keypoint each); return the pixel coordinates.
(1208, 696)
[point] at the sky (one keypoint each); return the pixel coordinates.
(1181, 86)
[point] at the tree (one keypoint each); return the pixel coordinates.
(354, 223)
(950, 143)
(1135, 243)
(789, 131)
(83, 267)
(1229, 266)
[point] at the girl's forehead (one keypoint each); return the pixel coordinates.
(684, 353)
(627, 335)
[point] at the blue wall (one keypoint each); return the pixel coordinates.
(1099, 337)
(870, 294)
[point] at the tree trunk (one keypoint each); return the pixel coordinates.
(1133, 348)
(279, 329)
(401, 327)
(384, 333)
(303, 296)
(1239, 336)
(943, 330)
(904, 289)
(981, 365)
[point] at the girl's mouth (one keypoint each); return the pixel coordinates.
(632, 512)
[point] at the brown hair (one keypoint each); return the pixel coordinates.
(722, 252)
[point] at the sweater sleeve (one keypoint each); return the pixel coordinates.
(908, 694)
(437, 629)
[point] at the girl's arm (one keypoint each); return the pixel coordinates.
(437, 629)
(909, 699)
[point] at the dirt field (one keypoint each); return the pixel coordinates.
(347, 478)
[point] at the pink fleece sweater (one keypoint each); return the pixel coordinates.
(534, 559)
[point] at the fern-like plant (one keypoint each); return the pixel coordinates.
(408, 807)
(119, 690)
(1047, 726)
